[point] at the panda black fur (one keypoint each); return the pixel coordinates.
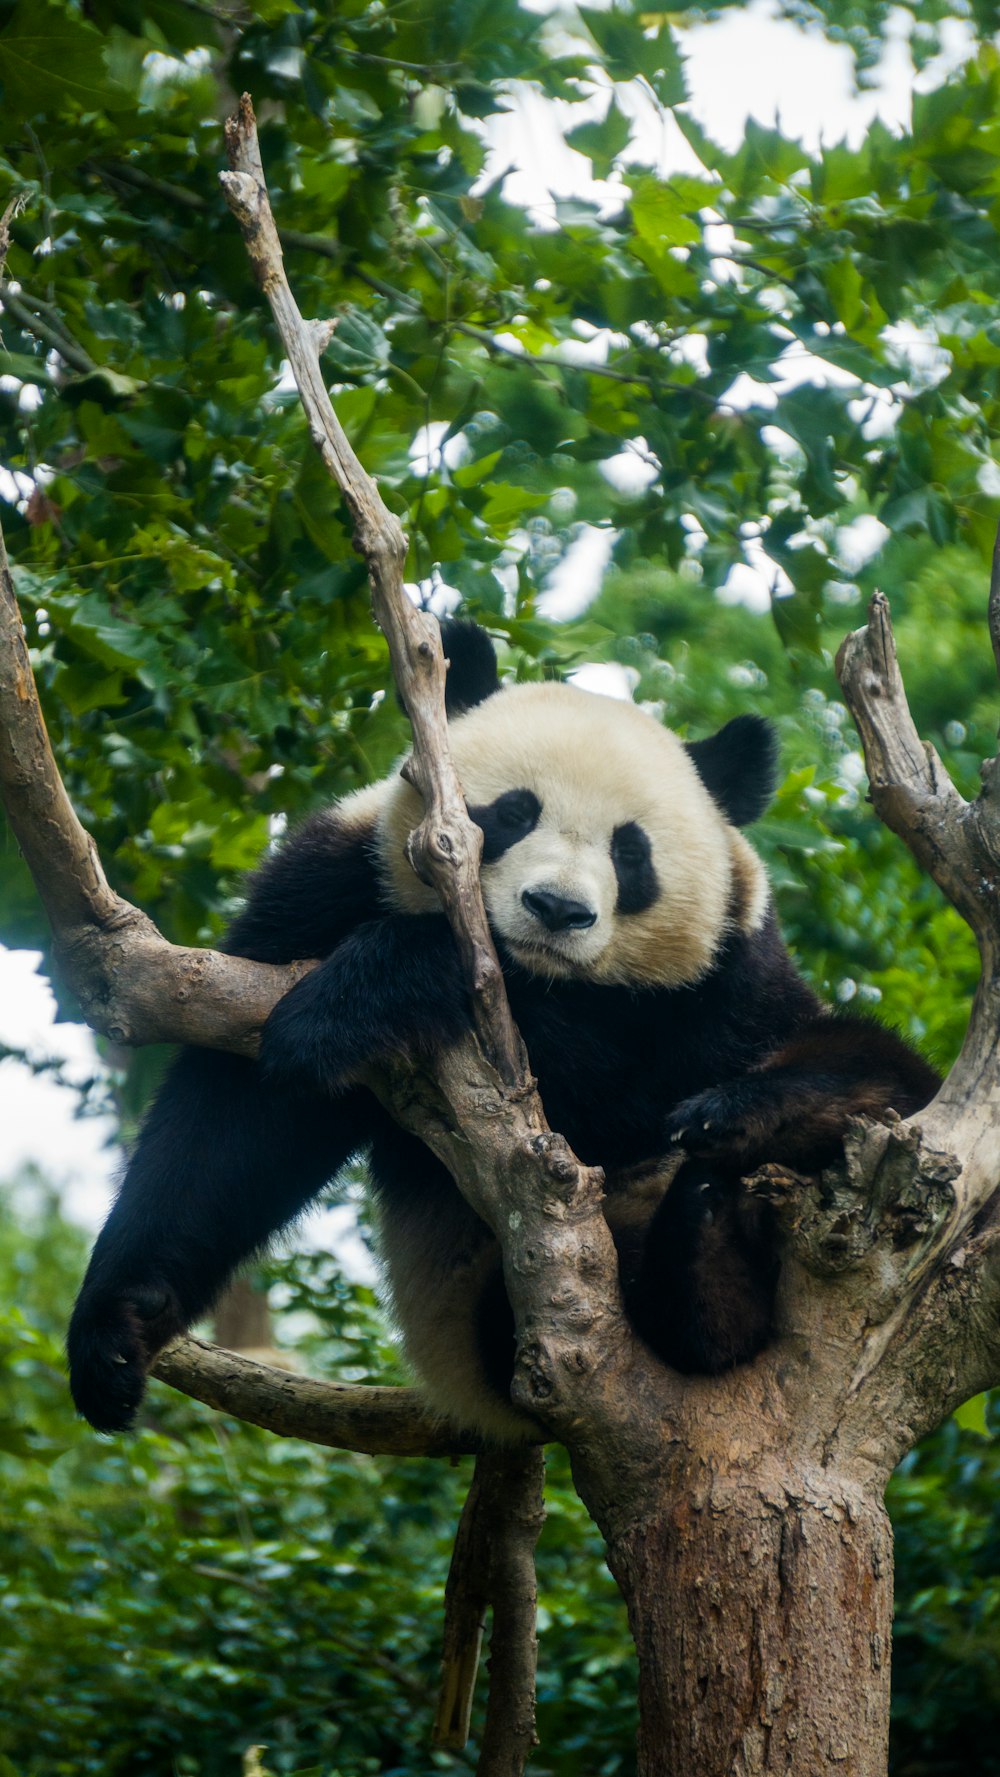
(660, 1010)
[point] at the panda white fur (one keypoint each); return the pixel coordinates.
(660, 1010)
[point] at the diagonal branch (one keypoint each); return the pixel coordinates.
(940, 1171)
(910, 788)
(446, 847)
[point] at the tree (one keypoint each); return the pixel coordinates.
(823, 266)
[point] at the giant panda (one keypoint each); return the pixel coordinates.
(662, 1016)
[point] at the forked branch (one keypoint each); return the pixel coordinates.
(493, 1567)
(942, 1170)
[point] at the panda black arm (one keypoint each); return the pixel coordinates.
(794, 1107)
(312, 891)
(704, 1297)
(222, 1162)
(395, 985)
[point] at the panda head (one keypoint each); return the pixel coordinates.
(611, 848)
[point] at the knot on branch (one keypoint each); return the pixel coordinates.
(243, 195)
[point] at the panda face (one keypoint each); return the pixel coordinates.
(605, 857)
(555, 885)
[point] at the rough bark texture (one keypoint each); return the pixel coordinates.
(493, 1565)
(782, 1662)
(481, 1112)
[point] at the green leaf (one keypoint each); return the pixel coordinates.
(602, 142)
(972, 1415)
(49, 56)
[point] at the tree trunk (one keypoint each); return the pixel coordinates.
(760, 1600)
(242, 1319)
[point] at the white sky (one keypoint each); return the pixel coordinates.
(748, 63)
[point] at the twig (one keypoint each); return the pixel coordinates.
(374, 1420)
(493, 1565)
(71, 353)
(12, 211)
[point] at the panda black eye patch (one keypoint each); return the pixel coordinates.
(632, 857)
(511, 817)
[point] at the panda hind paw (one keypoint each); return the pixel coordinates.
(112, 1341)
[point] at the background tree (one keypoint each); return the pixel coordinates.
(179, 555)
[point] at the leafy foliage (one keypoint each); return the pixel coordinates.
(205, 1588)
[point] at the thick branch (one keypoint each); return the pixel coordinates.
(509, 1731)
(62, 858)
(374, 1420)
(940, 1170)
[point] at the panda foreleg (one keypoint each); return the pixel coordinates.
(394, 986)
(795, 1108)
(223, 1161)
(703, 1298)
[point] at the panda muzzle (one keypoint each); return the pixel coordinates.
(558, 913)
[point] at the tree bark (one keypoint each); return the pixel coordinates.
(760, 1601)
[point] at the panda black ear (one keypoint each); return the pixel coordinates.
(739, 767)
(472, 665)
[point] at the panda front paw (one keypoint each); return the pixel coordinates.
(394, 987)
(113, 1338)
(733, 1122)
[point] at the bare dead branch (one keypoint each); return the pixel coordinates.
(940, 1170)
(493, 1565)
(910, 788)
(446, 848)
(376, 1421)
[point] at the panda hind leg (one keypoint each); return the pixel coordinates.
(703, 1296)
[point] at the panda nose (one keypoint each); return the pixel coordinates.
(556, 913)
